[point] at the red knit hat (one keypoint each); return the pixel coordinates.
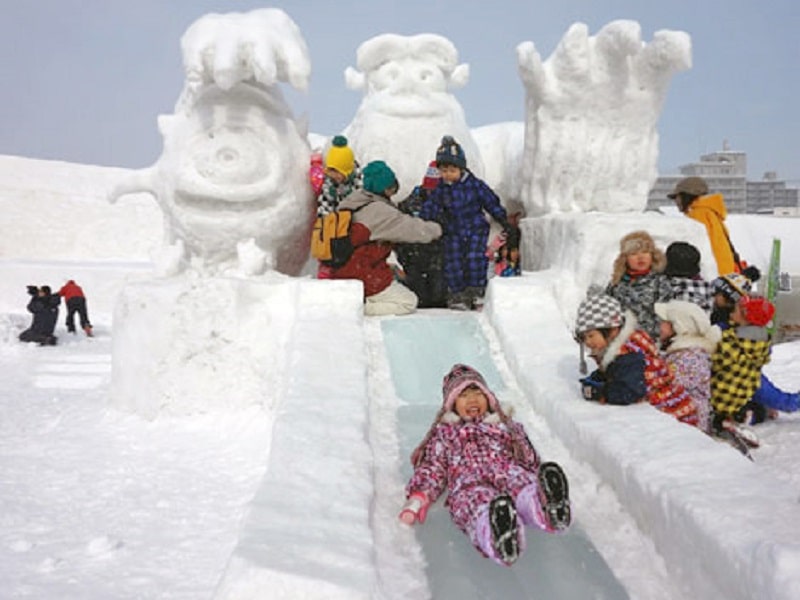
(432, 177)
(757, 310)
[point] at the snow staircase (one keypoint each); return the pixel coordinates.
(650, 479)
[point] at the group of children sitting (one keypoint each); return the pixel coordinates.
(694, 349)
(439, 232)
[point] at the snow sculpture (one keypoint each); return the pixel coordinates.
(407, 106)
(232, 178)
(591, 110)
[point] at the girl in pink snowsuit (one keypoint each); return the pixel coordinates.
(490, 470)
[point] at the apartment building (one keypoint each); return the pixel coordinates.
(726, 173)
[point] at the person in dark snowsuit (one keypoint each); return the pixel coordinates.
(422, 263)
(458, 204)
(44, 307)
(75, 300)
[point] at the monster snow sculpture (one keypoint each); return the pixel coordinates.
(591, 110)
(407, 106)
(232, 177)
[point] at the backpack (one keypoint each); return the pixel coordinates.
(330, 237)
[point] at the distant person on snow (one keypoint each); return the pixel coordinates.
(44, 307)
(458, 204)
(75, 301)
(692, 199)
(377, 224)
(491, 472)
(630, 368)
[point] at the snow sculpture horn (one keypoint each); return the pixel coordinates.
(408, 106)
(590, 120)
(232, 177)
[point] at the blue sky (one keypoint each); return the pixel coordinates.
(84, 80)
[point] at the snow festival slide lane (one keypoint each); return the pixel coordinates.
(420, 349)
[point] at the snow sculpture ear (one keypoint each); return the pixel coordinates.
(165, 124)
(460, 76)
(354, 80)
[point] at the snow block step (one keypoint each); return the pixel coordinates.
(307, 532)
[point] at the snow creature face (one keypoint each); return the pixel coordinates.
(232, 178)
(408, 107)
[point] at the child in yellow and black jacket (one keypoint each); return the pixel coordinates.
(736, 365)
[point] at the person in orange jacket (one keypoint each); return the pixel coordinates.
(692, 199)
(73, 297)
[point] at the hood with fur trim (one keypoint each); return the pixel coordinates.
(691, 324)
(615, 346)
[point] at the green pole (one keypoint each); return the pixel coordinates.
(773, 278)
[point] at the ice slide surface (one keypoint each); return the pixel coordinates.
(421, 348)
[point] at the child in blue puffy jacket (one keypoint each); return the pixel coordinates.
(458, 204)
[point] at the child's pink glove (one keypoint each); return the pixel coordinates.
(415, 509)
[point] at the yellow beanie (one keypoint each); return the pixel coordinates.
(340, 156)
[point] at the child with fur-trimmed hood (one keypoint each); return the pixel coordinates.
(630, 368)
(638, 281)
(484, 460)
(689, 341)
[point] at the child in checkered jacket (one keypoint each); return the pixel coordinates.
(630, 368)
(485, 461)
(683, 270)
(736, 365)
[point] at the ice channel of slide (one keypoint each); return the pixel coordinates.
(420, 349)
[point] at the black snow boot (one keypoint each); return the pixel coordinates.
(505, 530)
(555, 495)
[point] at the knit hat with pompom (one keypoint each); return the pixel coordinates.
(450, 153)
(340, 156)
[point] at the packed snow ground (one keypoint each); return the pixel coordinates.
(101, 503)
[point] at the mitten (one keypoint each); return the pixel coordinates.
(592, 386)
(415, 509)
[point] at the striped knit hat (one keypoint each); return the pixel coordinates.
(460, 378)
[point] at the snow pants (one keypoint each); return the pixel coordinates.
(465, 260)
(77, 304)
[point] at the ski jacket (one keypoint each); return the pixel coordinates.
(465, 457)
(333, 193)
(695, 290)
(376, 226)
(639, 294)
(45, 313)
(663, 392)
(70, 290)
(459, 207)
(736, 368)
(711, 211)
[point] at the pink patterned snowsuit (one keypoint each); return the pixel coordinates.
(475, 461)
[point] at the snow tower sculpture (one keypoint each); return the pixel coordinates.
(232, 177)
(591, 109)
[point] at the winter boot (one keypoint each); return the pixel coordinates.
(554, 498)
(505, 530)
(459, 301)
(475, 295)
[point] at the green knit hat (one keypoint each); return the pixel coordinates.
(378, 177)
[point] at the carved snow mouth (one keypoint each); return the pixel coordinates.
(224, 202)
(410, 105)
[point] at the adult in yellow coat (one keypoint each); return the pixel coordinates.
(692, 198)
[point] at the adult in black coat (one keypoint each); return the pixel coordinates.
(44, 307)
